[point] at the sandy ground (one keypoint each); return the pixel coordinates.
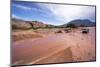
(55, 48)
(22, 35)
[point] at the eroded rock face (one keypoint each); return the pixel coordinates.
(36, 24)
(20, 24)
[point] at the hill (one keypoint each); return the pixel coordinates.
(80, 23)
(21, 24)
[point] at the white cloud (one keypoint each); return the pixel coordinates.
(70, 12)
(15, 16)
(18, 17)
(22, 7)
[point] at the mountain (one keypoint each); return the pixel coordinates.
(37, 24)
(21, 24)
(80, 22)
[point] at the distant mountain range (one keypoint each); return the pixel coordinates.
(80, 23)
(21, 24)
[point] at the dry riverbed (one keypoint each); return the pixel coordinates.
(39, 47)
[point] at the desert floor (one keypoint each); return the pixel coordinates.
(40, 47)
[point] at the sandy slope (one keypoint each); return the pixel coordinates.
(56, 48)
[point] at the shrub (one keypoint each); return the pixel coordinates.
(59, 31)
(70, 25)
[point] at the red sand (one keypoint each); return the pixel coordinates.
(56, 48)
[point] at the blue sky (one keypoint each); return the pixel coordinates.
(51, 13)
